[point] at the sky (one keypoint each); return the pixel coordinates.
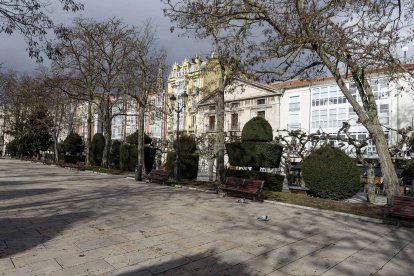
(13, 53)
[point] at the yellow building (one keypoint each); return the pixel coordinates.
(198, 78)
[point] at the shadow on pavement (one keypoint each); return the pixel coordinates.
(20, 234)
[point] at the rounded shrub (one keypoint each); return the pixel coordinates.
(133, 138)
(188, 165)
(188, 144)
(329, 173)
(128, 157)
(114, 156)
(257, 129)
(73, 144)
(97, 148)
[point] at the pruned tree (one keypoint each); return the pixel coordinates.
(142, 77)
(311, 38)
(228, 43)
(30, 18)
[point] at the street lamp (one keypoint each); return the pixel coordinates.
(178, 108)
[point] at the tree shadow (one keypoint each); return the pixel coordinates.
(12, 194)
(21, 234)
(197, 264)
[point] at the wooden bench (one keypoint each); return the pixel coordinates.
(160, 176)
(402, 206)
(243, 187)
(60, 163)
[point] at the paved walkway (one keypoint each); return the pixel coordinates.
(62, 222)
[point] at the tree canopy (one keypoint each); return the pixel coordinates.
(31, 19)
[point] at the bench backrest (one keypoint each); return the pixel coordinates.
(160, 172)
(253, 184)
(234, 181)
(403, 202)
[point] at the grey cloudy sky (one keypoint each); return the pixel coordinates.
(13, 53)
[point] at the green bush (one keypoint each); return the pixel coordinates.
(254, 154)
(133, 138)
(115, 154)
(149, 159)
(97, 148)
(73, 144)
(188, 165)
(273, 182)
(73, 159)
(329, 173)
(187, 144)
(12, 147)
(257, 129)
(128, 157)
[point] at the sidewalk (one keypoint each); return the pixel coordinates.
(64, 222)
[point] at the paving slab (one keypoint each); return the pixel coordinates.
(56, 221)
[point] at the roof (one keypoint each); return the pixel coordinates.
(266, 87)
(300, 83)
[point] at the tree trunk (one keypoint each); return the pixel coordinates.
(390, 178)
(210, 169)
(88, 134)
(55, 146)
(107, 125)
(220, 139)
(140, 142)
(370, 184)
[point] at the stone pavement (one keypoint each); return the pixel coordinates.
(63, 222)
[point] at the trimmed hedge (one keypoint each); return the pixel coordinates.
(73, 159)
(97, 148)
(273, 182)
(257, 129)
(187, 144)
(254, 154)
(133, 138)
(128, 157)
(73, 144)
(188, 165)
(115, 154)
(149, 158)
(329, 173)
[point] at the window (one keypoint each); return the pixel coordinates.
(193, 121)
(234, 122)
(294, 103)
(234, 105)
(212, 108)
(212, 123)
(261, 114)
(384, 114)
(261, 101)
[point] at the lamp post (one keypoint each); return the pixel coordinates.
(178, 108)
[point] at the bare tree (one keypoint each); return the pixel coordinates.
(142, 77)
(229, 48)
(308, 38)
(31, 19)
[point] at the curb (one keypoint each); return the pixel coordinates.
(331, 212)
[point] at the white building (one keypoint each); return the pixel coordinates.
(319, 105)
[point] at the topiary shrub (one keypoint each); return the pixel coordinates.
(133, 138)
(128, 157)
(188, 144)
(273, 182)
(73, 159)
(329, 173)
(73, 144)
(254, 154)
(257, 129)
(97, 148)
(188, 165)
(149, 159)
(115, 154)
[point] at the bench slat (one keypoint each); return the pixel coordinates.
(402, 206)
